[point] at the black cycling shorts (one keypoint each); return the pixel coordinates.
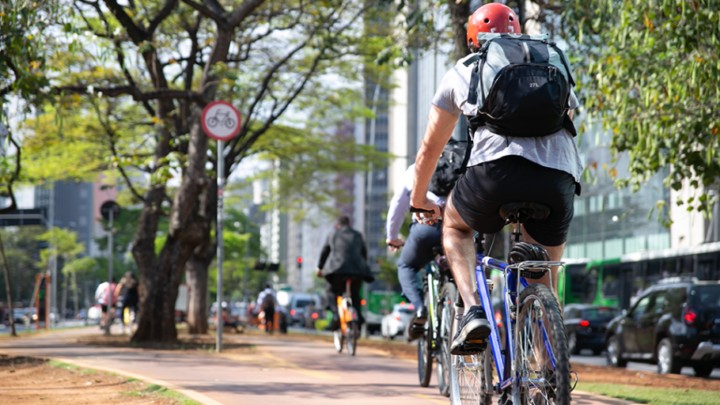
(483, 189)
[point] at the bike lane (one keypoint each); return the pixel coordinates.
(276, 371)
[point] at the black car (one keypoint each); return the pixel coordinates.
(585, 326)
(675, 323)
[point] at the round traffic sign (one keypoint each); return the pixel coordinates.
(107, 207)
(220, 120)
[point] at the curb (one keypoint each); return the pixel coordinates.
(188, 393)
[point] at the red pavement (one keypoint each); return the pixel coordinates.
(280, 371)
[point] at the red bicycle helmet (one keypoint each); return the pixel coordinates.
(492, 17)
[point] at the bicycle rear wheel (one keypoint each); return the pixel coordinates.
(338, 339)
(540, 327)
(424, 359)
(445, 317)
(352, 335)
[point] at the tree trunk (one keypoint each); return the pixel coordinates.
(76, 307)
(459, 15)
(63, 310)
(189, 220)
(197, 269)
(197, 279)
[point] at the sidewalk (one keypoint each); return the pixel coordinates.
(277, 371)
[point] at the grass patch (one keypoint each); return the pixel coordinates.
(153, 389)
(653, 395)
(60, 364)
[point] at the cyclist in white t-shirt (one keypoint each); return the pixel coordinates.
(543, 169)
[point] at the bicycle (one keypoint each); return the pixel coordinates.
(349, 322)
(435, 340)
(128, 319)
(221, 118)
(534, 366)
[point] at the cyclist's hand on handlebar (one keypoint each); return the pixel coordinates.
(426, 212)
(395, 244)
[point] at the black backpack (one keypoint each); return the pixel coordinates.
(449, 167)
(521, 84)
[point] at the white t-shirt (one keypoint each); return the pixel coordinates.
(557, 151)
(400, 203)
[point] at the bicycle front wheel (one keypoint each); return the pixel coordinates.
(541, 355)
(446, 313)
(352, 336)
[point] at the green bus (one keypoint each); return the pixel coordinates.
(617, 282)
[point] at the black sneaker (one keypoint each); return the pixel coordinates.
(420, 316)
(471, 337)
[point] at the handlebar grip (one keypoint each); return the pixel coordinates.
(420, 210)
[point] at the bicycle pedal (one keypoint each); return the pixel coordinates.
(471, 347)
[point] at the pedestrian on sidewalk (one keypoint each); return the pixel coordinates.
(266, 303)
(102, 293)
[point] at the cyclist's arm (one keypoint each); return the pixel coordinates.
(324, 254)
(440, 127)
(363, 248)
(399, 204)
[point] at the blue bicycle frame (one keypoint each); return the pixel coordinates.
(503, 363)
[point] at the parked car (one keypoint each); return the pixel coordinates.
(675, 323)
(298, 304)
(585, 326)
(396, 322)
(373, 322)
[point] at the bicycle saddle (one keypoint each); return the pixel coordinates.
(519, 212)
(438, 250)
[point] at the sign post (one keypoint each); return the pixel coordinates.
(220, 121)
(109, 211)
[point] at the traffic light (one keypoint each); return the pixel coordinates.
(299, 262)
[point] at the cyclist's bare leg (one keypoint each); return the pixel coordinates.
(555, 253)
(460, 252)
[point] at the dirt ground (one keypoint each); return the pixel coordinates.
(30, 381)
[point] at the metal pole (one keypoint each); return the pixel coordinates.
(11, 315)
(109, 300)
(220, 184)
(53, 269)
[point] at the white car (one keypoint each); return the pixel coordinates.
(396, 322)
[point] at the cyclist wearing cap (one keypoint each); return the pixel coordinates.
(501, 169)
(417, 250)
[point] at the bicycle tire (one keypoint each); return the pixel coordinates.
(352, 337)
(537, 303)
(467, 379)
(424, 360)
(338, 339)
(445, 314)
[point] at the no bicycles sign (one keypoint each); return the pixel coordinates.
(220, 120)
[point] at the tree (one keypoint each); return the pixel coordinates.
(23, 42)
(63, 244)
(71, 269)
(261, 55)
(653, 78)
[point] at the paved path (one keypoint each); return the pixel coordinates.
(280, 371)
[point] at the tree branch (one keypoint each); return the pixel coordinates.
(137, 95)
(215, 15)
(240, 13)
(162, 15)
(137, 34)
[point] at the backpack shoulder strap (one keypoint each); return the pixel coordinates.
(477, 73)
(562, 59)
